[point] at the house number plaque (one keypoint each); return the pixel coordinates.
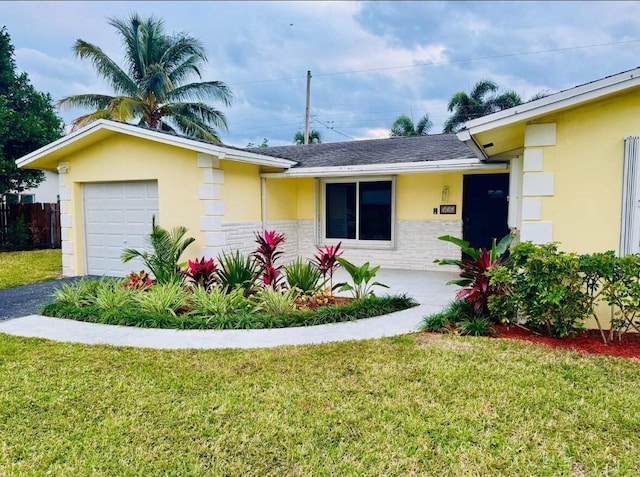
(448, 209)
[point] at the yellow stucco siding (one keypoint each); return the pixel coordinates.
(587, 166)
(240, 192)
(282, 199)
(126, 158)
(418, 194)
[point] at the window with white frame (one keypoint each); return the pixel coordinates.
(359, 209)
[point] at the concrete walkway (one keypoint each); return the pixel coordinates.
(428, 288)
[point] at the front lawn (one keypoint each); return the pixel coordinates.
(412, 405)
(22, 268)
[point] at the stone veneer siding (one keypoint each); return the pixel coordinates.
(417, 244)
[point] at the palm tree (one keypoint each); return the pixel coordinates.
(403, 126)
(314, 137)
(477, 104)
(155, 88)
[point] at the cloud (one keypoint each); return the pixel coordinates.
(263, 50)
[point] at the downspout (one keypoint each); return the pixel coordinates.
(263, 202)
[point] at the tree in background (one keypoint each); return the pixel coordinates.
(482, 100)
(314, 137)
(153, 87)
(403, 126)
(264, 143)
(27, 122)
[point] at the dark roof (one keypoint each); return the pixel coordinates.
(436, 147)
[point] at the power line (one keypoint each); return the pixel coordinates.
(445, 62)
(332, 128)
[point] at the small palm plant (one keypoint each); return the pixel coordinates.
(361, 276)
(167, 246)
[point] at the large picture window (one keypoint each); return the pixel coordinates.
(359, 210)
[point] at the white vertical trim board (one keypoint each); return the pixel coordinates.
(630, 220)
(514, 215)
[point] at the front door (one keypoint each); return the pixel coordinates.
(484, 208)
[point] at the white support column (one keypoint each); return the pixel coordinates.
(209, 193)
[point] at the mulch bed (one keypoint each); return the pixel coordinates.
(586, 342)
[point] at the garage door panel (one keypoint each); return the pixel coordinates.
(117, 215)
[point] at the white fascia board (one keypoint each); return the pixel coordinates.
(378, 169)
(555, 102)
(197, 146)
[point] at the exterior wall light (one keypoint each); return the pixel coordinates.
(63, 167)
(445, 193)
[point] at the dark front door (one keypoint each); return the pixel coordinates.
(484, 208)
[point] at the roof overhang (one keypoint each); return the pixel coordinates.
(47, 156)
(562, 100)
(389, 168)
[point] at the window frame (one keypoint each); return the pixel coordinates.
(357, 242)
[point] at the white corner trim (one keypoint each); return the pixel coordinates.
(540, 135)
(537, 232)
(209, 192)
(532, 160)
(538, 184)
(531, 208)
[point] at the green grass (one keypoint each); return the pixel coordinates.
(412, 405)
(22, 268)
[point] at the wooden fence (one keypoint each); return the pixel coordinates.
(27, 226)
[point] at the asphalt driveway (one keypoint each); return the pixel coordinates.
(28, 299)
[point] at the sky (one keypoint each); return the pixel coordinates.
(369, 61)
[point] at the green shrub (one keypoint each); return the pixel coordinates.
(216, 302)
(446, 320)
(162, 299)
(167, 246)
(476, 326)
(237, 271)
(355, 310)
(303, 276)
(80, 293)
(276, 302)
(113, 295)
(549, 289)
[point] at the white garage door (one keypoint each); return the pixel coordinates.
(117, 215)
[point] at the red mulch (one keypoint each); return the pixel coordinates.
(586, 342)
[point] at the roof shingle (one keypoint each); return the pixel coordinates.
(436, 147)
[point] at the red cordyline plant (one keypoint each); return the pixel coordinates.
(201, 272)
(325, 260)
(267, 254)
(474, 281)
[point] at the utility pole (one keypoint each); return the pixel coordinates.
(306, 114)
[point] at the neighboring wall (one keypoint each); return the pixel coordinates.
(572, 183)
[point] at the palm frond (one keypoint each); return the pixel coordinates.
(481, 88)
(202, 91)
(106, 67)
(98, 101)
(203, 112)
(403, 126)
(424, 125)
(196, 128)
(82, 121)
(183, 49)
